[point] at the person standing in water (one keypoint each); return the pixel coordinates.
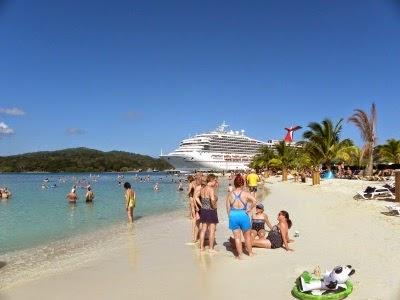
(71, 196)
(130, 200)
(259, 220)
(89, 195)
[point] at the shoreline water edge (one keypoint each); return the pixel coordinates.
(332, 227)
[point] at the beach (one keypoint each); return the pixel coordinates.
(152, 259)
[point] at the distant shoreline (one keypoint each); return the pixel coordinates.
(80, 160)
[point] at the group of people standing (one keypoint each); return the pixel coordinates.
(130, 198)
(72, 196)
(247, 219)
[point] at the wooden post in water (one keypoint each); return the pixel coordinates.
(397, 185)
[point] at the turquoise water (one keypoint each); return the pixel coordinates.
(34, 216)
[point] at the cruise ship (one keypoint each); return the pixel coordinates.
(218, 150)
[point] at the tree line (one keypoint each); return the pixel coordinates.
(322, 144)
(80, 160)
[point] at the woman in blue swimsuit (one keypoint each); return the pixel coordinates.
(239, 221)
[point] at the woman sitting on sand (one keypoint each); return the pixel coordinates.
(237, 208)
(278, 236)
(258, 220)
(207, 199)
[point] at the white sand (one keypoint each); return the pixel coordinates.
(151, 261)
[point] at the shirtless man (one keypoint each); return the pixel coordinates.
(71, 196)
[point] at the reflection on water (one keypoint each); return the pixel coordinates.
(132, 247)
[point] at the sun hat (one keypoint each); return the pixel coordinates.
(260, 206)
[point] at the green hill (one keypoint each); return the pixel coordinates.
(80, 160)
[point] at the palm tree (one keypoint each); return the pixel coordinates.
(263, 158)
(390, 152)
(356, 156)
(323, 142)
(285, 156)
(367, 126)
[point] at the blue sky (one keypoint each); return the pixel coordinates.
(141, 75)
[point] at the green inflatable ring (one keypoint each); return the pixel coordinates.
(303, 296)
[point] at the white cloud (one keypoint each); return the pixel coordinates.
(5, 129)
(75, 131)
(14, 111)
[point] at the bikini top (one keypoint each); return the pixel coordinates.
(258, 221)
(237, 198)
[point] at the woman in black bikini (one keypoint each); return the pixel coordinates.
(207, 198)
(258, 221)
(278, 236)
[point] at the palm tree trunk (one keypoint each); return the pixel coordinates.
(316, 178)
(284, 174)
(370, 165)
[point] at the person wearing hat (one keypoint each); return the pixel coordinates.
(252, 182)
(258, 221)
(71, 196)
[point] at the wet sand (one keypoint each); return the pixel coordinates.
(152, 260)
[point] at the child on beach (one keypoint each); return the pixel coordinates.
(259, 219)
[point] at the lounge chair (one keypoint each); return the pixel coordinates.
(393, 208)
(374, 193)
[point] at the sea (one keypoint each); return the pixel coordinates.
(38, 214)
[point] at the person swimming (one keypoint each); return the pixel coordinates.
(180, 187)
(156, 187)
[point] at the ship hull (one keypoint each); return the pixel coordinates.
(205, 162)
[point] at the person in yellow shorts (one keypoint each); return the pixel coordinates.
(130, 201)
(252, 182)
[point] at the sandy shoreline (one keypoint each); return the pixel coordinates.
(152, 261)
